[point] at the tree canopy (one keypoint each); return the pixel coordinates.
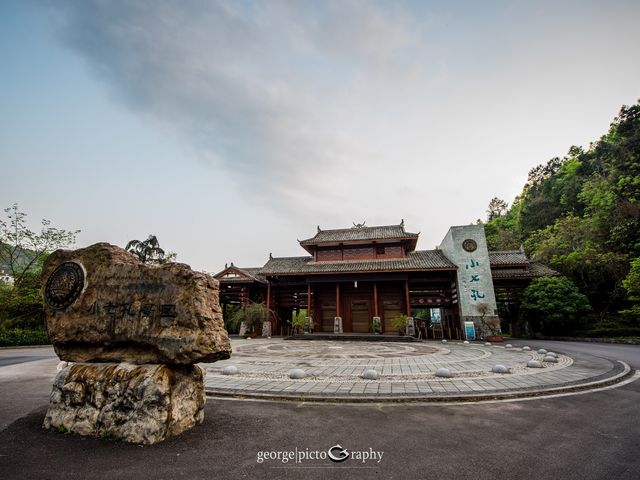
(149, 251)
(580, 214)
(554, 305)
(22, 250)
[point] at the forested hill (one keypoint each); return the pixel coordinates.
(580, 214)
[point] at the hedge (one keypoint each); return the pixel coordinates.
(610, 332)
(10, 337)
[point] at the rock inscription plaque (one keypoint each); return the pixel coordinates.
(64, 285)
(103, 305)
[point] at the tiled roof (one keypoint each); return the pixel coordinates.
(532, 270)
(417, 260)
(253, 273)
(508, 257)
(359, 233)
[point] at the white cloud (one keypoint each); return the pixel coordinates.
(342, 110)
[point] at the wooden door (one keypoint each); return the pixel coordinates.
(327, 315)
(360, 314)
(391, 308)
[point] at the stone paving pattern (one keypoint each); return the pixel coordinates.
(334, 368)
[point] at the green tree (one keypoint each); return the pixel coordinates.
(503, 231)
(252, 315)
(22, 250)
(22, 253)
(553, 306)
(581, 215)
(632, 286)
(497, 208)
(149, 251)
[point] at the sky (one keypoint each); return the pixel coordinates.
(231, 129)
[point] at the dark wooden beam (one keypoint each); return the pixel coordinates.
(406, 290)
(375, 300)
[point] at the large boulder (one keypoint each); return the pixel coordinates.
(134, 403)
(103, 305)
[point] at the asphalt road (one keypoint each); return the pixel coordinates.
(586, 436)
(627, 353)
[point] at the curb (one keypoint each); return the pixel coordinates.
(626, 373)
(617, 341)
(14, 347)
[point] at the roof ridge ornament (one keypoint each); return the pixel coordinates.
(402, 223)
(319, 229)
(359, 225)
(270, 255)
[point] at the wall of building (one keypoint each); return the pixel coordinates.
(475, 284)
(359, 252)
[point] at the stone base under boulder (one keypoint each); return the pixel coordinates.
(134, 403)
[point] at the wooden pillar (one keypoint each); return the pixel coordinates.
(245, 297)
(337, 299)
(375, 300)
(273, 327)
(406, 290)
(308, 300)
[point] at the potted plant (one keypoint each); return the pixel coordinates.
(299, 321)
(490, 326)
(400, 323)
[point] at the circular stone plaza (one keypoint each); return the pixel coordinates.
(428, 371)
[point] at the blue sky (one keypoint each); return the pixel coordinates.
(231, 129)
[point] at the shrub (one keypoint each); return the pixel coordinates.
(21, 307)
(553, 306)
(299, 321)
(11, 337)
(252, 315)
(611, 332)
(400, 323)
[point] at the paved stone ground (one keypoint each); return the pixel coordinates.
(407, 371)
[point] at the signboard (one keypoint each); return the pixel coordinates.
(469, 331)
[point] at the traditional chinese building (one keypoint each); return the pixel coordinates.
(363, 272)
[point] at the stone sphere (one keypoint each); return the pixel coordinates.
(499, 369)
(444, 372)
(297, 373)
(534, 364)
(526, 348)
(508, 345)
(466, 342)
(230, 370)
(542, 351)
(550, 359)
(370, 375)
(551, 354)
(487, 344)
(444, 341)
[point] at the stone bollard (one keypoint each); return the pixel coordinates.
(134, 333)
(337, 325)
